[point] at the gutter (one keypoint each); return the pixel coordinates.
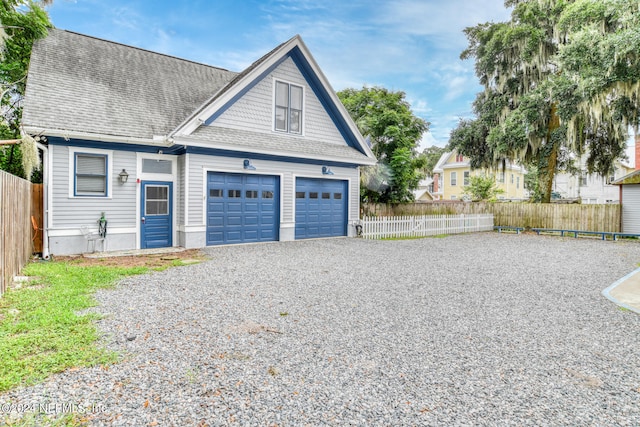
(157, 140)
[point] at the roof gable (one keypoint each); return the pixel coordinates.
(630, 178)
(295, 50)
(79, 86)
(441, 162)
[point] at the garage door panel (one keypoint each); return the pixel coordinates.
(215, 207)
(321, 208)
(234, 220)
(216, 221)
(233, 236)
(234, 207)
(251, 220)
(251, 235)
(267, 219)
(245, 208)
(251, 207)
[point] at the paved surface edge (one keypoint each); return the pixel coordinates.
(628, 285)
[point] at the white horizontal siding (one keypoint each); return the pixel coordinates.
(631, 208)
(254, 111)
(72, 212)
(180, 188)
(200, 164)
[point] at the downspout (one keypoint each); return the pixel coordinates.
(45, 201)
(621, 223)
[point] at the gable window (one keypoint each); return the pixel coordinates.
(90, 174)
(288, 108)
(454, 178)
(466, 177)
(459, 158)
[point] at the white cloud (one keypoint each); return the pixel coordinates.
(428, 140)
(442, 21)
(456, 87)
(420, 106)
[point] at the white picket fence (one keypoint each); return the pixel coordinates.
(426, 225)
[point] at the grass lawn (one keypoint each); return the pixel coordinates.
(41, 331)
(41, 328)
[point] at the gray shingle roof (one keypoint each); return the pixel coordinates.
(80, 83)
(284, 144)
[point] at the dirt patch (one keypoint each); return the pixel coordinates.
(186, 257)
(250, 327)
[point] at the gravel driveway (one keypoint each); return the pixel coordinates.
(476, 329)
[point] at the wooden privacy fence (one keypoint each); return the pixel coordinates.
(534, 215)
(426, 225)
(15, 226)
(37, 212)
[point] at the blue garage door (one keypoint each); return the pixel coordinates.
(242, 208)
(321, 208)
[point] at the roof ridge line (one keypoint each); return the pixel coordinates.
(144, 50)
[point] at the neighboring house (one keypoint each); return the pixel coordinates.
(424, 191)
(177, 153)
(629, 191)
(629, 195)
(593, 188)
(452, 173)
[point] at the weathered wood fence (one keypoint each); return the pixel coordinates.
(15, 226)
(37, 212)
(540, 215)
(426, 225)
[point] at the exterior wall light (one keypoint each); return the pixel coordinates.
(326, 171)
(123, 176)
(248, 166)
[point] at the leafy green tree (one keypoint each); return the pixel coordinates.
(431, 156)
(562, 76)
(22, 22)
(482, 188)
(386, 120)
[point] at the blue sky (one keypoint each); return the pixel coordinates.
(407, 45)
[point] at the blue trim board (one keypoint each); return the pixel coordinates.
(256, 156)
(607, 292)
(243, 91)
(139, 148)
(181, 149)
(323, 95)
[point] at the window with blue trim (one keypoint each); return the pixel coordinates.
(288, 108)
(90, 175)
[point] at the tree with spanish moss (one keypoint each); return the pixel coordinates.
(21, 23)
(561, 78)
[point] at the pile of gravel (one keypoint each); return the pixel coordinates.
(480, 328)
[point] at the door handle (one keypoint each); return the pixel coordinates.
(142, 219)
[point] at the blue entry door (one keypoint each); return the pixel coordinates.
(156, 216)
